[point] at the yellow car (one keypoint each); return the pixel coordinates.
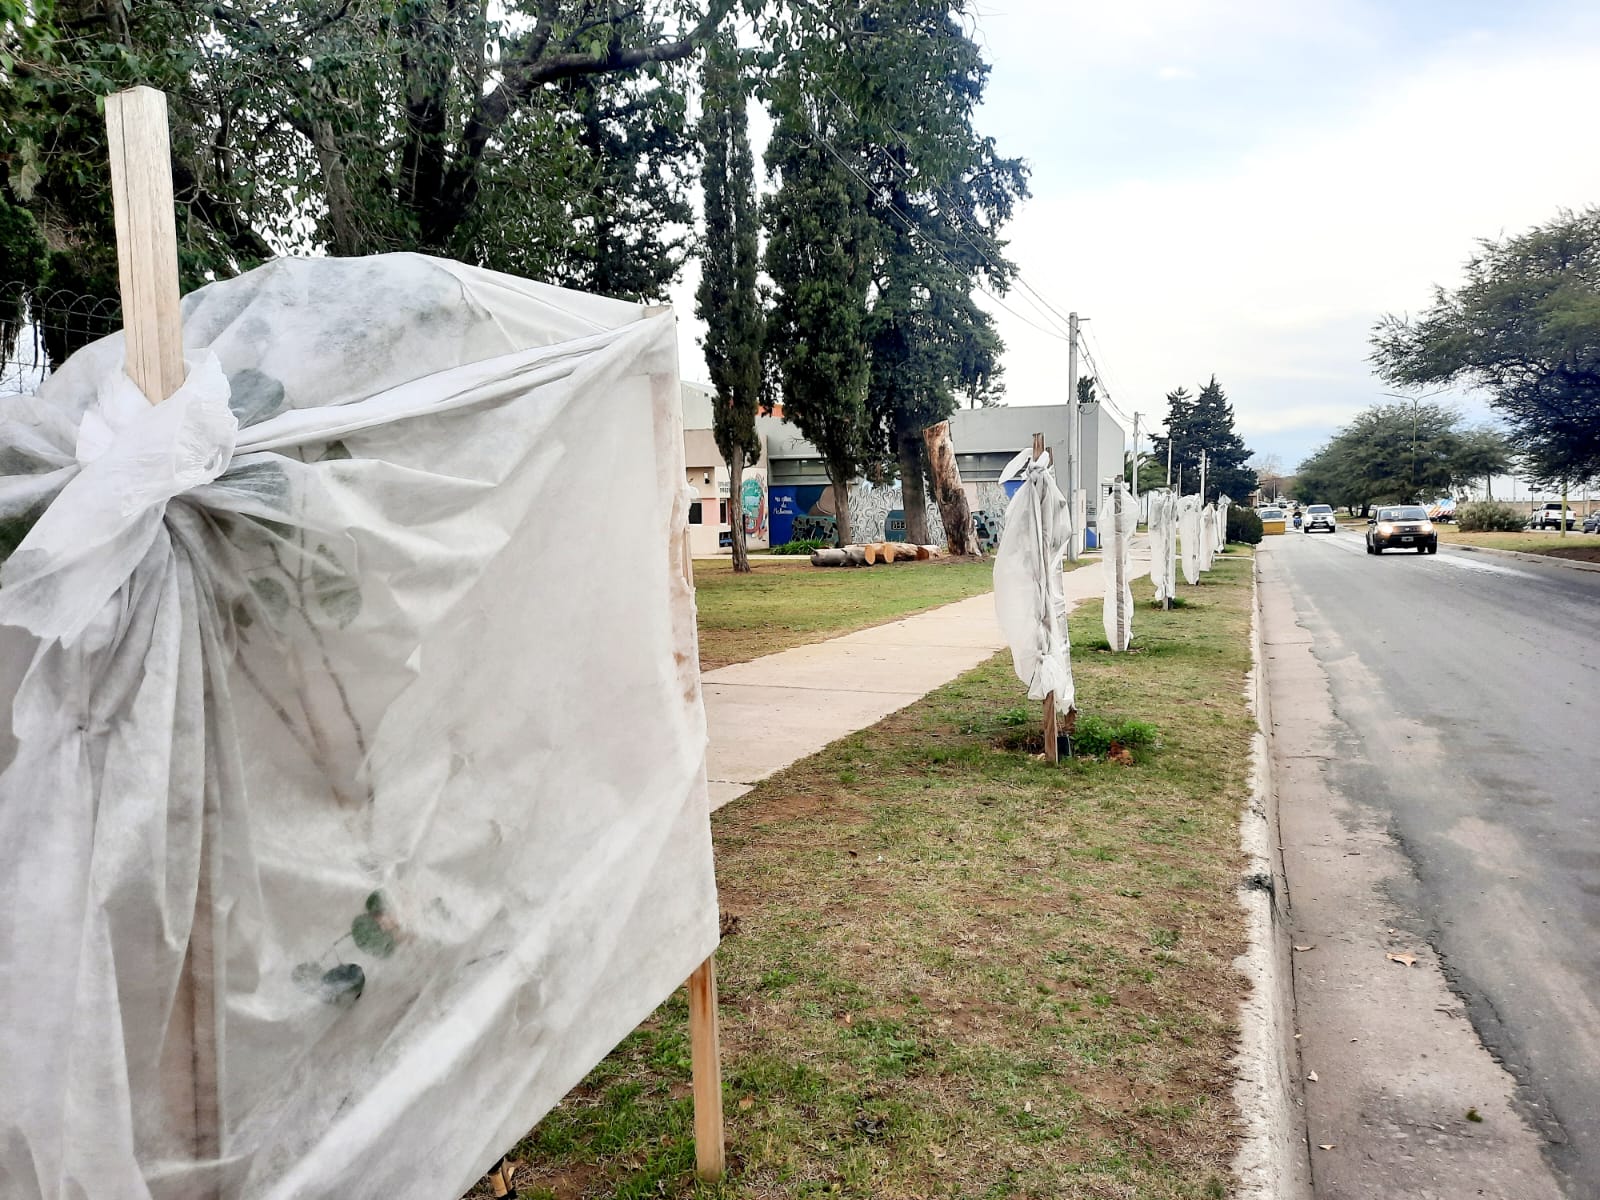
(1272, 520)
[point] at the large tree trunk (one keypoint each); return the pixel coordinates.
(841, 505)
(948, 493)
(741, 555)
(913, 500)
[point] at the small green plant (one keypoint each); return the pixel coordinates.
(1489, 516)
(803, 546)
(1095, 737)
(1244, 525)
(1015, 716)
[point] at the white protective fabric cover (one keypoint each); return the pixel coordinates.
(1029, 599)
(1190, 537)
(1163, 544)
(336, 608)
(1208, 536)
(1120, 524)
(1223, 504)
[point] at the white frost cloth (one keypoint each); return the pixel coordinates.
(1208, 536)
(1190, 537)
(1163, 544)
(1223, 505)
(1120, 525)
(1029, 597)
(312, 662)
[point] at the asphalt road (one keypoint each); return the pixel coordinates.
(1465, 691)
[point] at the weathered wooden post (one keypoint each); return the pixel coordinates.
(152, 322)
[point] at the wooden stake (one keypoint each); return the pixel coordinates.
(147, 239)
(152, 322)
(705, 1043)
(705, 1056)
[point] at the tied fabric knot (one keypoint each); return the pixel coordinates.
(134, 457)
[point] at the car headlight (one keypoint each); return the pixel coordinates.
(1385, 528)
(1427, 527)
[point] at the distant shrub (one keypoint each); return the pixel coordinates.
(1489, 516)
(804, 546)
(1244, 525)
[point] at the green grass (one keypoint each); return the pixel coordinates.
(964, 972)
(779, 605)
(1574, 545)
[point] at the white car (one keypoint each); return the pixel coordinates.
(1319, 516)
(1549, 517)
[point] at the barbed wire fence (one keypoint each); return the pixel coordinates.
(41, 327)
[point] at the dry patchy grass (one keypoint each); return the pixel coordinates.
(958, 971)
(779, 605)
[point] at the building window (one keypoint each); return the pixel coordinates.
(722, 512)
(694, 513)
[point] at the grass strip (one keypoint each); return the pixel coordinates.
(1581, 546)
(779, 605)
(956, 971)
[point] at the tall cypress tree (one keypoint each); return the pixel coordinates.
(727, 300)
(819, 255)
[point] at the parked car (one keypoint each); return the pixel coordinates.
(1549, 517)
(1272, 520)
(1402, 527)
(1591, 523)
(1320, 516)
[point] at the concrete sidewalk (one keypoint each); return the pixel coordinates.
(764, 714)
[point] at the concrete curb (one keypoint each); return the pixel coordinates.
(1273, 1163)
(1549, 559)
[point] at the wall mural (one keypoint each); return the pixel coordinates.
(877, 514)
(753, 504)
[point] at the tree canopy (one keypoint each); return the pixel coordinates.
(1399, 452)
(1525, 327)
(545, 137)
(1204, 424)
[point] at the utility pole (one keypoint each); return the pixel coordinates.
(1202, 479)
(1136, 417)
(1169, 463)
(1074, 438)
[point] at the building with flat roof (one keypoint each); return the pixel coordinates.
(787, 495)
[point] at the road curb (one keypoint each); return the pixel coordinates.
(1273, 1163)
(1550, 559)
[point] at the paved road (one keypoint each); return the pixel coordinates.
(1466, 728)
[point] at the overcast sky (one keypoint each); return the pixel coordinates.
(1243, 186)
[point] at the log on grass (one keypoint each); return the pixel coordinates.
(948, 493)
(828, 558)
